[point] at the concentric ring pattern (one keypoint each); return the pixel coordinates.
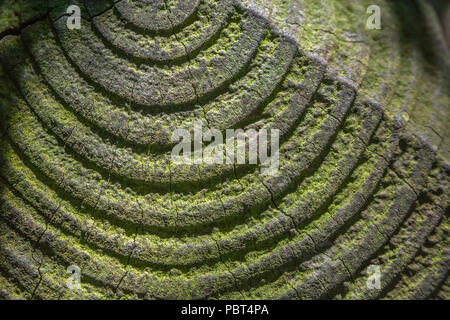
(87, 177)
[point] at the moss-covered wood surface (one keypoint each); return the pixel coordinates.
(86, 176)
